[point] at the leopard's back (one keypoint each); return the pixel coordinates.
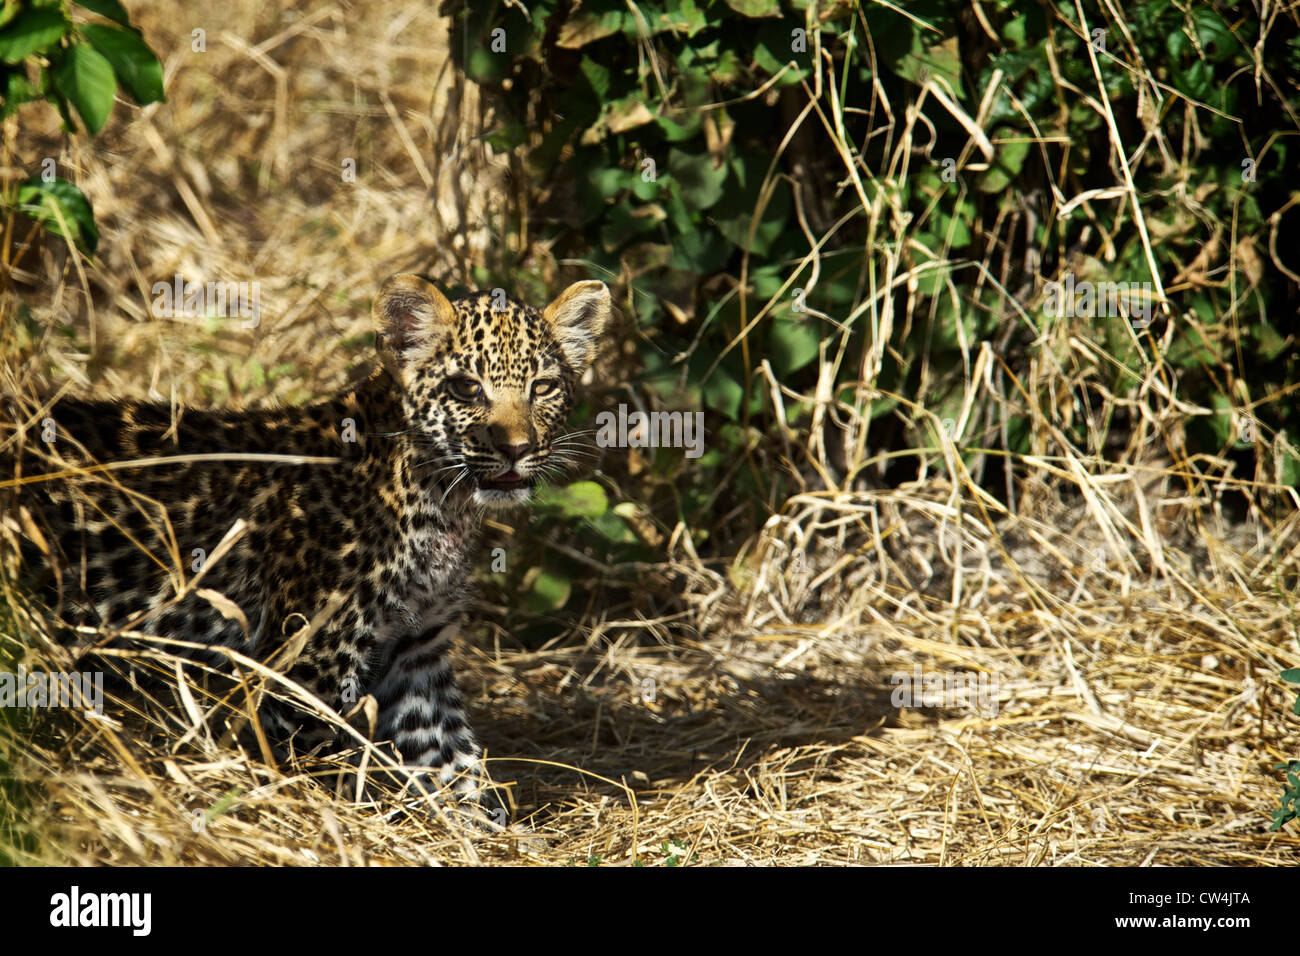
(127, 539)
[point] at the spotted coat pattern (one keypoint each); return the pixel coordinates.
(465, 413)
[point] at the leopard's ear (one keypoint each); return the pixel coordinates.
(412, 317)
(578, 317)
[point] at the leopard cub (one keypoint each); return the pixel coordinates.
(362, 511)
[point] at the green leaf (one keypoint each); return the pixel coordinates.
(627, 113)
(1008, 160)
(107, 8)
(724, 393)
(678, 16)
(755, 8)
(699, 183)
(766, 60)
(1292, 676)
(614, 527)
(588, 27)
(1190, 349)
(728, 68)
(549, 592)
(1221, 420)
(680, 216)
(15, 90)
(793, 343)
(33, 30)
(484, 66)
(1198, 80)
(1290, 470)
(1270, 342)
(1215, 36)
(608, 183)
(644, 189)
(734, 215)
(87, 80)
(767, 281)
(622, 226)
(1013, 34)
(582, 499)
(132, 61)
(676, 132)
(58, 204)
(952, 229)
(701, 251)
(597, 74)
(696, 86)
(939, 60)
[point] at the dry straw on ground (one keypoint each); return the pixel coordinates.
(1131, 633)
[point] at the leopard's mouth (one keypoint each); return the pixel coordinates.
(507, 481)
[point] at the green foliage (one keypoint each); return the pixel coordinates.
(74, 64)
(61, 208)
(45, 55)
(662, 146)
(584, 499)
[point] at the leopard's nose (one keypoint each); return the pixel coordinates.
(516, 451)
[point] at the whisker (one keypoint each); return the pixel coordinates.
(463, 473)
(435, 461)
(567, 453)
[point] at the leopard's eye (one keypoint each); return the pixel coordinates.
(545, 386)
(465, 388)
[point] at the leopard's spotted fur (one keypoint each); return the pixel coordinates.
(466, 412)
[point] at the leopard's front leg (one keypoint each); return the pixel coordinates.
(332, 667)
(422, 711)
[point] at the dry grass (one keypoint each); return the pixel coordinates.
(1132, 634)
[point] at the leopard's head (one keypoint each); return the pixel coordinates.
(487, 382)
